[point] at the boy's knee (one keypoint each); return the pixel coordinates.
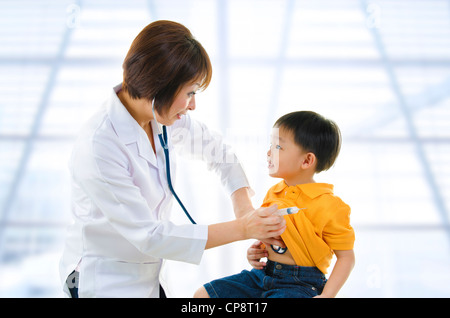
(201, 293)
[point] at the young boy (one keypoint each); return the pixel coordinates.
(303, 143)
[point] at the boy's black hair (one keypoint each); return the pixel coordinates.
(314, 133)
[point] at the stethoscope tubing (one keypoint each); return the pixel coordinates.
(169, 179)
(162, 135)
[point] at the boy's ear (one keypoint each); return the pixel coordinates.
(309, 160)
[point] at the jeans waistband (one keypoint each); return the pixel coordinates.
(280, 269)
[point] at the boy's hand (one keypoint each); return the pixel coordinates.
(255, 253)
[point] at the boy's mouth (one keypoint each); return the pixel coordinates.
(270, 165)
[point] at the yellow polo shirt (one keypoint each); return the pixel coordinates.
(314, 232)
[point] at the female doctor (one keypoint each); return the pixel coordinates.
(121, 200)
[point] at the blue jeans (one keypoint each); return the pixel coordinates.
(276, 280)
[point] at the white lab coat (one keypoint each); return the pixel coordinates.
(121, 202)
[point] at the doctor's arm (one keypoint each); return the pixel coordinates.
(241, 202)
(258, 224)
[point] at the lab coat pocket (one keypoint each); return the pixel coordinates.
(123, 279)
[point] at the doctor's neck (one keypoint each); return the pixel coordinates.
(139, 109)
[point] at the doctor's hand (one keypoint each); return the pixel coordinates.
(262, 224)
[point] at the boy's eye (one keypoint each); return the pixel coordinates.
(191, 94)
(276, 146)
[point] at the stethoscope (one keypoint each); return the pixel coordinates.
(162, 135)
(286, 211)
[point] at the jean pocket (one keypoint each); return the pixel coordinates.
(312, 287)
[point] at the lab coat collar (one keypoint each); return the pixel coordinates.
(312, 190)
(126, 127)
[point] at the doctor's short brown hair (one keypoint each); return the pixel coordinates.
(161, 60)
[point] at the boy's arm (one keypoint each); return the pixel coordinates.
(341, 271)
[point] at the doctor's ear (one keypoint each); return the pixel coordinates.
(309, 160)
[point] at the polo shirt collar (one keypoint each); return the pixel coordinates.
(312, 190)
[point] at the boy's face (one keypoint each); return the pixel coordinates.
(284, 156)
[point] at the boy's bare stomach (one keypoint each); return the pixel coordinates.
(285, 258)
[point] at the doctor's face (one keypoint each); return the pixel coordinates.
(184, 101)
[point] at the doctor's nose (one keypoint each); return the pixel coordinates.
(191, 105)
